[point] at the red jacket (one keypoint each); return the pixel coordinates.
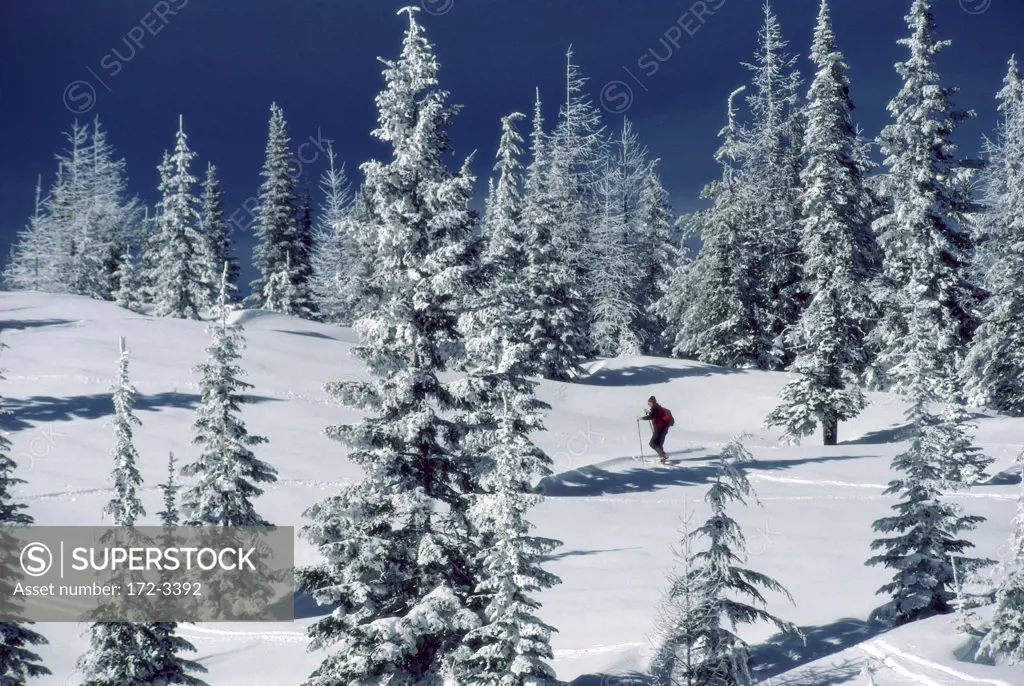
(659, 417)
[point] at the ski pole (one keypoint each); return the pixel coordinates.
(641, 439)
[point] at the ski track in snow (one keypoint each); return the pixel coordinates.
(939, 667)
(762, 476)
(72, 493)
(199, 633)
(891, 657)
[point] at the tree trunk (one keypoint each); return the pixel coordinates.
(830, 430)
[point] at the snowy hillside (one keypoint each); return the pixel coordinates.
(618, 518)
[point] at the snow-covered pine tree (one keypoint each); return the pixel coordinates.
(1006, 634)
(836, 238)
(152, 235)
(170, 515)
(66, 206)
(216, 233)
(994, 367)
(503, 221)
(499, 310)
(612, 268)
(30, 266)
(398, 545)
(111, 221)
(275, 215)
(79, 231)
(125, 507)
(715, 306)
(279, 292)
(299, 260)
(129, 285)
(993, 215)
(574, 167)
(927, 300)
(512, 645)
(18, 661)
(686, 611)
(164, 645)
(715, 594)
(624, 250)
(927, 249)
(556, 316)
(119, 651)
(921, 541)
(177, 279)
(338, 249)
(227, 471)
(772, 162)
(658, 255)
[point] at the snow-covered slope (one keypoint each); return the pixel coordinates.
(618, 518)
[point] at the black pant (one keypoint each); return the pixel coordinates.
(658, 440)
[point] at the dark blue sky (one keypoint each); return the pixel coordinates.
(221, 63)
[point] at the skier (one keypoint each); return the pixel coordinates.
(661, 419)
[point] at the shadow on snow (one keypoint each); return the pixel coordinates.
(23, 413)
(648, 375)
(590, 481)
(781, 654)
(22, 324)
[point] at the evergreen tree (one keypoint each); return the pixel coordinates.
(657, 257)
(67, 208)
(927, 301)
(111, 219)
(715, 594)
(125, 507)
(398, 546)
(151, 247)
(127, 653)
(715, 306)
(339, 257)
(80, 229)
(829, 339)
(18, 661)
(216, 232)
(164, 644)
(1006, 636)
(129, 285)
(227, 471)
(179, 289)
(275, 217)
(612, 278)
(163, 647)
(299, 261)
(772, 160)
(927, 249)
(30, 266)
(499, 311)
(170, 515)
(555, 318)
(512, 645)
(922, 544)
(577, 147)
(995, 363)
(574, 167)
